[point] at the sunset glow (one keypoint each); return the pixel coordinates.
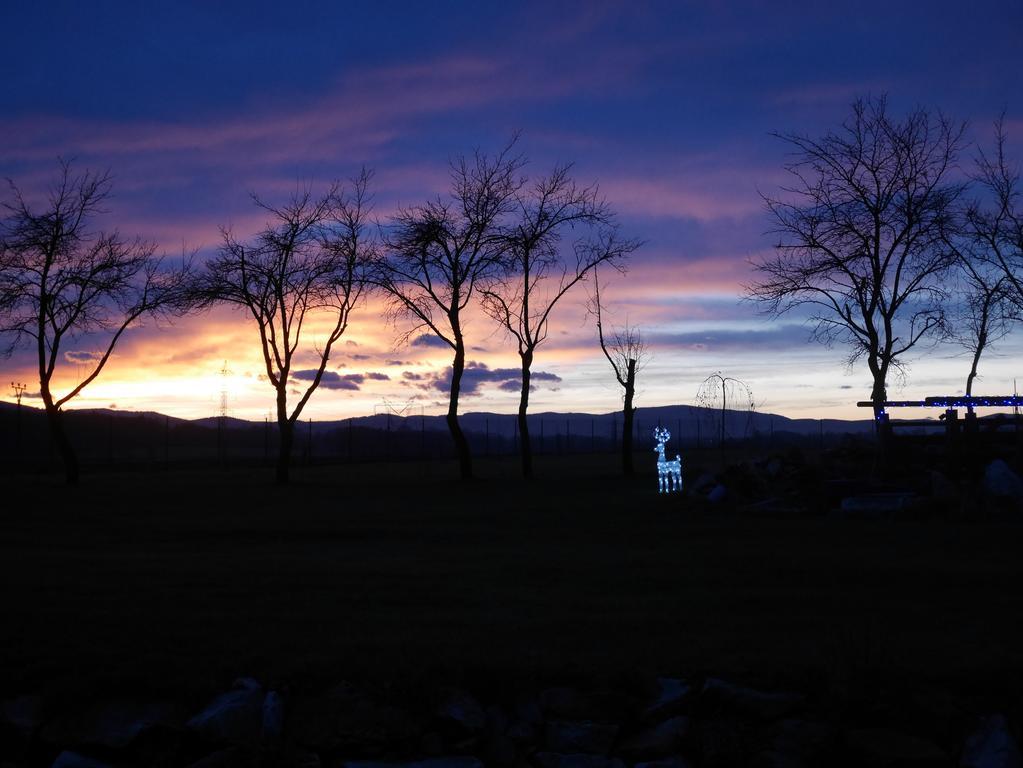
(672, 121)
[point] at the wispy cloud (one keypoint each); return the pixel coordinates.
(777, 338)
(335, 380)
(476, 375)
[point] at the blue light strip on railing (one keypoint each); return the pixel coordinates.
(948, 402)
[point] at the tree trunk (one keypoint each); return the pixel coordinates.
(525, 449)
(882, 429)
(286, 432)
(60, 440)
(627, 416)
(981, 343)
(878, 393)
(461, 444)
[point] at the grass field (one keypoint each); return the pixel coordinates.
(182, 580)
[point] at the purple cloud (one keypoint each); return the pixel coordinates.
(429, 340)
(476, 375)
(332, 379)
(82, 356)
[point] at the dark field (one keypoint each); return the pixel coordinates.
(181, 581)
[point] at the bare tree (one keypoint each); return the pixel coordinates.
(862, 234)
(626, 351)
(540, 270)
(60, 280)
(309, 260)
(993, 225)
(440, 253)
(719, 392)
(986, 313)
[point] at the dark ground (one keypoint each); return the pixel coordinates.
(180, 581)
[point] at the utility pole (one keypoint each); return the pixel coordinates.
(222, 416)
(17, 390)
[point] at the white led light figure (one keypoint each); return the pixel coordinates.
(669, 473)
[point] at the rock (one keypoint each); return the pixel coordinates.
(772, 759)
(717, 494)
(497, 720)
(566, 703)
(721, 696)
(877, 505)
(888, 748)
(349, 722)
(930, 713)
(246, 684)
(432, 744)
(528, 711)
(523, 733)
(74, 760)
(720, 742)
(675, 761)
(1001, 482)
(568, 737)
(114, 723)
(556, 760)
(232, 757)
(459, 708)
(234, 717)
(991, 745)
(658, 741)
(296, 757)
(775, 507)
(808, 741)
(273, 719)
(24, 714)
(501, 750)
(672, 693)
(456, 761)
(704, 482)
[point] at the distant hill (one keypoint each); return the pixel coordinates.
(115, 437)
(738, 424)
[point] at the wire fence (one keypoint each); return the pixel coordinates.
(112, 439)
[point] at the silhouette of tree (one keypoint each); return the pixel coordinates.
(440, 253)
(992, 231)
(61, 280)
(986, 312)
(626, 351)
(718, 393)
(309, 259)
(539, 271)
(862, 234)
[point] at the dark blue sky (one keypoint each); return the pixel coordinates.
(668, 105)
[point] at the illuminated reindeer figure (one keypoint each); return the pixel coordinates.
(669, 473)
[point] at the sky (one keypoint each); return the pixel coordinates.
(668, 107)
